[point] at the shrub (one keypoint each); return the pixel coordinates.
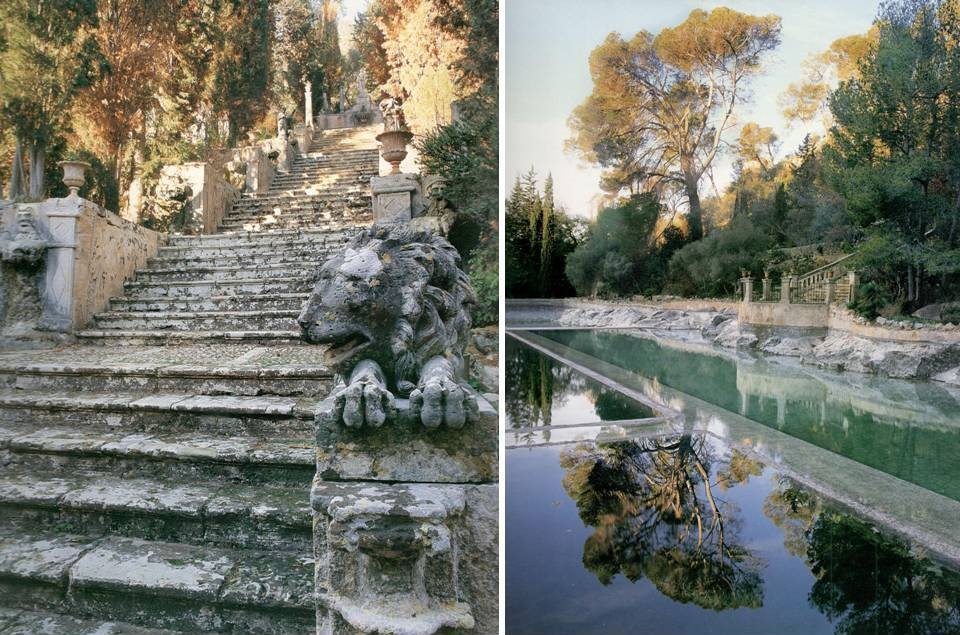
(712, 266)
(869, 300)
(484, 275)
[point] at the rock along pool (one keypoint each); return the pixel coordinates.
(664, 487)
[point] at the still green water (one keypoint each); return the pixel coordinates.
(688, 533)
(910, 430)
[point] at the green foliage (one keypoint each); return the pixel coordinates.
(621, 255)
(485, 277)
(894, 149)
(538, 238)
(466, 152)
(712, 266)
(870, 299)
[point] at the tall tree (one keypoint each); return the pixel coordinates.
(894, 148)
(661, 104)
(48, 54)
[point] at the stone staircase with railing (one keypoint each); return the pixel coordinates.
(156, 474)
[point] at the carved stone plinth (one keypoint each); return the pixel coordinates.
(394, 197)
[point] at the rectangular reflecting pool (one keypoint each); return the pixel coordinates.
(742, 505)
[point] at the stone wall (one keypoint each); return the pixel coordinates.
(210, 194)
(780, 314)
(109, 250)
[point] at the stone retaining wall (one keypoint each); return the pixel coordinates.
(109, 250)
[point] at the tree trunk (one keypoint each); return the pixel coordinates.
(695, 213)
(37, 159)
(16, 172)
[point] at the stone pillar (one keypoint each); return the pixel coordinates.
(785, 285)
(747, 282)
(854, 278)
(831, 286)
(308, 104)
(766, 288)
(58, 302)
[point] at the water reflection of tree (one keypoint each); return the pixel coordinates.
(872, 583)
(867, 582)
(534, 384)
(657, 514)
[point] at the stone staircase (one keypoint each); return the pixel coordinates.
(155, 475)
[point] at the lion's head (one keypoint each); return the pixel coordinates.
(396, 296)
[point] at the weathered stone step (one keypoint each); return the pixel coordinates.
(262, 248)
(317, 217)
(277, 257)
(187, 274)
(159, 411)
(271, 319)
(224, 239)
(227, 515)
(102, 337)
(360, 216)
(207, 288)
(179, 456)
(318, 192)
(287, 301)
(22, 622)
(159, 584)
(260, 371)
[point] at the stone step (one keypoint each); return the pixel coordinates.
(225, 515)
(358, 216)
(203, 370)
(22, 622)
(275, 236)
(187, 274)
(182, 456)
(301, 194)
(282, 301)
(320, 215)
(266, 320)
(263, 248)
(159, 584)
(159, 411)
(102, 337)
(213, 288)
(274, 258)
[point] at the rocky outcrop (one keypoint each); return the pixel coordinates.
(892, 359)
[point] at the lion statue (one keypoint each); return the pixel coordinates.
(394, 310)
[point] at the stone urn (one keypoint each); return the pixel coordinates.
(73, 174)
(393, 147)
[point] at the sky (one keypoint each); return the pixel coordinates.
(547, 45)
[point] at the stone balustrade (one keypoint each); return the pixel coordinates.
(88, 253)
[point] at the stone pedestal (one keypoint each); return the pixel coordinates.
(405, 525)
(831, 286)
(394, 197)
(747, 283)
(854, 279)
(58, 294)
(304, 137)
(766, 290)
(786, 285)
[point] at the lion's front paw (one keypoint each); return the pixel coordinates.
(441, 400)
(364, 403)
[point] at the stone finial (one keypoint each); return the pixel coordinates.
(73, 175)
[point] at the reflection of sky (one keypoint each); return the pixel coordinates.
(547, 44)
(549, 591)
